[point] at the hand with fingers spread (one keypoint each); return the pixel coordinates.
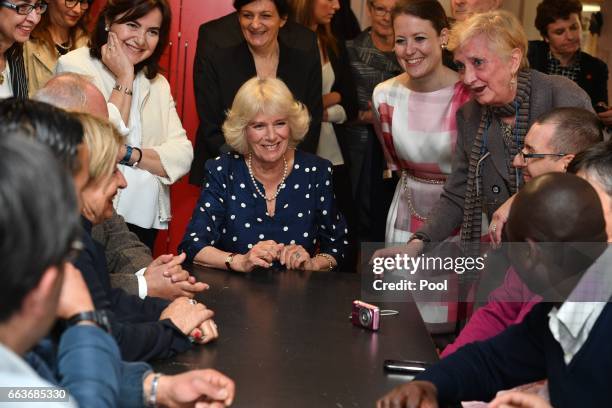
(262, 254)
(115, 59)
(200, 388)
(415, 394)
(517, 399)
(167, 279)
(186, 314)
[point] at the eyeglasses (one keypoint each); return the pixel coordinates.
(525, 156)
(72, 3)
(24, 8)
(380, 11)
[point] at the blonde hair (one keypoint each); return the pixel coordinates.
(269, 96)
(502, 30)
(103, 141)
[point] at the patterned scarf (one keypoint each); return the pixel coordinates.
(472, 208)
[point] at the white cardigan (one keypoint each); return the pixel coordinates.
(162, 130)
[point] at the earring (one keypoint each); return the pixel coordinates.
(513, 82)
(106, 28)
(443, 46)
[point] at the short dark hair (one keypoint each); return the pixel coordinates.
(39, 218)
(430, 10)
(133, 10)
(576, 129)
(596, 161)
(550, 11)
(52, 126)
(282, 6)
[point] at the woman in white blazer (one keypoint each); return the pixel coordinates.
(123, 62)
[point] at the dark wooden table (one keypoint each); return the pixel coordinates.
(286, 340)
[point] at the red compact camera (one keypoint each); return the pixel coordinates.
(365, 315)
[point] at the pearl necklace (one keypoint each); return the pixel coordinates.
(281, 185)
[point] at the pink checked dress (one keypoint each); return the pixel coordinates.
(418, 132)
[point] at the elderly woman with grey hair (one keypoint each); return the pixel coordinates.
(490, 52)
(267, 202)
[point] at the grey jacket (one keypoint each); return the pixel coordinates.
(547, 92)
(125, 254)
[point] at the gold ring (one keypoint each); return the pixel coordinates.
(493, 227)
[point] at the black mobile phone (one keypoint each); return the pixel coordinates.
(405, 366)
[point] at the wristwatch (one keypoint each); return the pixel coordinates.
(97, 317)
(228, 261)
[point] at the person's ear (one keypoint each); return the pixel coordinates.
(516, 57)
(36, 302)
(283, 21)
(444, 37)
(566, 160)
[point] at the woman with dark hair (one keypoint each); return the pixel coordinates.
(123, 61)
(263, 53)
(416, 113)
(339, 102)
(61, 30)
(558, 22)
(16, 23)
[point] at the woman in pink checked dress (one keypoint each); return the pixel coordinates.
(416, 115)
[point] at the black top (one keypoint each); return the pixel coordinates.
(525, 353)
(223, 62)
(134, 322)
(593, 76)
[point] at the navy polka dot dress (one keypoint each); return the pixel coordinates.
(232, 217)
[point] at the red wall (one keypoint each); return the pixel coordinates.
(187, 16)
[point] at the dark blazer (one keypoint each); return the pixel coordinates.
(524, 353)
(135, 323)
(593, 77)
(223, 63)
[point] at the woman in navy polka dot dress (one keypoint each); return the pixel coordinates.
(266, 203)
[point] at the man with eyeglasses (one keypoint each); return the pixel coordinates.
(550, 145)
(17, 20)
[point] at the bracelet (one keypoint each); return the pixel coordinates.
(152, 401)
(329, 259)
(128, 155)
(139, 156)
(125, 89)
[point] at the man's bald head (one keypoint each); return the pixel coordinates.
(557, 207)
(75, 92)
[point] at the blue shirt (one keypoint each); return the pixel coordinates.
(232, 217)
